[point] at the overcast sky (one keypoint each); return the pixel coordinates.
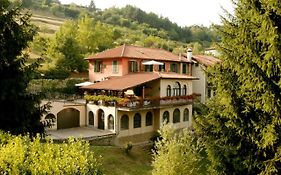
(182, 12)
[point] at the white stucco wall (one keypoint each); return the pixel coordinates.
(181, 124)
(107, 111)
(133, 131)
(199, 86)
(165, 82)
(57, 106)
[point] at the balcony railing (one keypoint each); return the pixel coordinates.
(136, 102)
(156, 102)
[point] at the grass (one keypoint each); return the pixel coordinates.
(116, 162)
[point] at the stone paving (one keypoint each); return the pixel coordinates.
(79, 132)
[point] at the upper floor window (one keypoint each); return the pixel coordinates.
(161, 68)
(174, 67)
(133, 66)
(177, 89)
(114, 66)
(98, 66)
(184, 68)
(148, 68)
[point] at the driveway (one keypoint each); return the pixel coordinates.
(79, 132)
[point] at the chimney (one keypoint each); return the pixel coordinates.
(189, 54)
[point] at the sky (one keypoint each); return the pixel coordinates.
(182, 12)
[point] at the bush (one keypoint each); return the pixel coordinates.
(128, 147)
(21, 155)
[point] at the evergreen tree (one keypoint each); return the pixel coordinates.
(20, 111)
(242, 132)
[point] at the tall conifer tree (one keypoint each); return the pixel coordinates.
(242, 130)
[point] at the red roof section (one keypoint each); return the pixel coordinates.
(129, 51)
(206, 60)
(133, 80)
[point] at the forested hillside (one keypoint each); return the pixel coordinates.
(72, 32)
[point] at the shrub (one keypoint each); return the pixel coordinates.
(21, 155)
(128, 147)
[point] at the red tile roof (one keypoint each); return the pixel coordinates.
(133, 80)
(129, 51)
(206, 60)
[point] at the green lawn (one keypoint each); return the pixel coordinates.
(116, 161)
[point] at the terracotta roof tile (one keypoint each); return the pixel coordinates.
(206, 60)
(133, 80)
(129, 51)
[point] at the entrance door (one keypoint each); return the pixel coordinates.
(100, 119)
(91, 118)
(68, 118)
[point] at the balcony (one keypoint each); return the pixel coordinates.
(155, 102)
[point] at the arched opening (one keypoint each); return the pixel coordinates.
(168, 91)
(176, 116)
(91, 118)
(50, 119)
(68, 118)
(148, 119)
(177, 89)
(185, 115)
(137, 120)
(166, 117)
(124, 122)
(184, 90)
(100, 119)
(110, 122)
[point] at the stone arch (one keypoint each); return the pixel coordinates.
(101, 119)
(68, 118)
(110, 122)
(91, 118)
(166, 117)
(176, 116)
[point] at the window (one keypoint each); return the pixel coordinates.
(166, 117)
(137, 120)
(168, 90)
(114, 66)
(184, 90)
(185, 115)
(161, 68)
(133, 66)
(174, 67)
(148, 119)
(184, 71)
(176, 116)
(110, 122)
(124, 122)
(98, 66)
(148, 68)
(177, 89)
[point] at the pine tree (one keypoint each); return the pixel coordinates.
(19, 111)
(242, 130)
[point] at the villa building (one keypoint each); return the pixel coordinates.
(156, 86)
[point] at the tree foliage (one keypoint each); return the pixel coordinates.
(21, 155)
(20, 111)
(179, 153)
(241, 131)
